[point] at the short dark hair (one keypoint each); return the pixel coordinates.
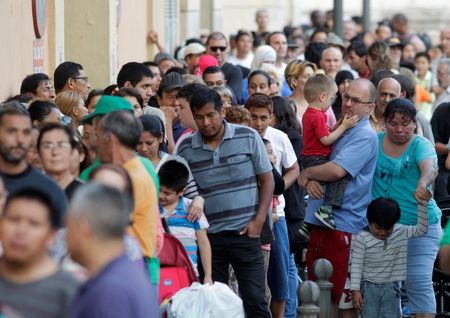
(93, 93)
(41, 196)
(12, 108)
(384, 212)
(125, 126)
(188, 90)
(242, 33)
(313, 52)
(216, 36)
(359, 47)
(422, 54)
(260, 72)
(133, 72)
(173, 175)
(401, 106)
(47, 127)
(40, 109)
(31, 83)
(127, 91)
(319, 30)
(259, 100)
(63, 72)
(407, 86)
(272, 34)
(150, 63)
(212, 70)
(203, 96)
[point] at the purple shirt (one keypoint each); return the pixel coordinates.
(121, 289)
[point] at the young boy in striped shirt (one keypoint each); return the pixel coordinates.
(378, 257)
(173, 178)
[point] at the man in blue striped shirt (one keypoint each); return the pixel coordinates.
(234, 175)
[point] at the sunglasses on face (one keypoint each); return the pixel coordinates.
(215, 48)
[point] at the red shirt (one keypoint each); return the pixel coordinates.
(314, 123)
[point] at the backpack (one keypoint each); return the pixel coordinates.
(176, 270)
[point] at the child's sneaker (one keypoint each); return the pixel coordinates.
(305, 231)
(326, 217)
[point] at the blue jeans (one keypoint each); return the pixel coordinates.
(277, 275)
(292, 302)
(380, 300)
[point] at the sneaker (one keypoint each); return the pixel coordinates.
(305, 231)
(326, 218)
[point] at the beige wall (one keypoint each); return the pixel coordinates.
(16, 38)
(132, 32)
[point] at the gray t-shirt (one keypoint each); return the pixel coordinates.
(49, 297)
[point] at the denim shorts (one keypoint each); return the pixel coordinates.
(380, 300)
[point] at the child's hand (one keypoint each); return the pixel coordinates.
(349, 122)
(208, 280)
(274, 218)
(357, 299)
(422, 195)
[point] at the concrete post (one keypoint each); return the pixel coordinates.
(323, 270)
(366, 15)
(189, 18)
(338, 17)
(309, 294)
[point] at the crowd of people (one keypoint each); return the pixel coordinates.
(218, 144)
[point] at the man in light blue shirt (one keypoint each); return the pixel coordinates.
(354, 156)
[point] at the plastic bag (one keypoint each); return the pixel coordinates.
(206, 301)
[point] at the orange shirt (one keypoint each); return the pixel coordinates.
(145, 215)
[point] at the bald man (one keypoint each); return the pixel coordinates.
(331, 61)
(387, 90)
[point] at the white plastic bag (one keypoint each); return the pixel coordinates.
(206, 301)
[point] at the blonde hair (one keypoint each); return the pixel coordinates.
(273, 73)
(295, 69)
(67, 101)
(238, 115)
(316, 85)
(379, 53)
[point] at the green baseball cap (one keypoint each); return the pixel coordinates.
(107, 104)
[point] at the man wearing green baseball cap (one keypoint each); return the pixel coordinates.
(105, 105)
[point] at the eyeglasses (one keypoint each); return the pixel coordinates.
(215, 48)
(83, 78)
(59, 145)
(354, 100)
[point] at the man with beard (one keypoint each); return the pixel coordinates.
(15, 142)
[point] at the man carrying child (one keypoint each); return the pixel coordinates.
(354, 154)
(320, 91)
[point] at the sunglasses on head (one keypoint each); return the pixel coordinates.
(215, 48)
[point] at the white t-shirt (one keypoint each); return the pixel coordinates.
(286, 158)
(247, 62)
